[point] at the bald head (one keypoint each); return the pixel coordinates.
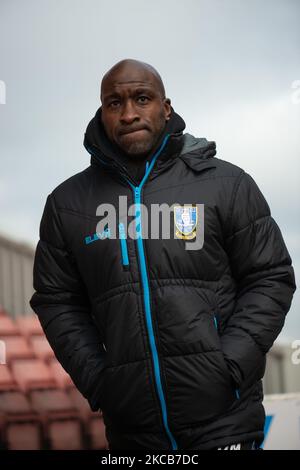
(130, 71)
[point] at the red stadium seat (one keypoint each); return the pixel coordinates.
(41, 347)
(14, 403)
(52, 401)
(65, 435)
(96, 431)
(93, 422)
(20, 427)
(8, 327)
(23, 436)
(7, 381)
(61, 420)
(32, 374)
(29, 325)
(80, 403)
(61, 377)
(17, 348)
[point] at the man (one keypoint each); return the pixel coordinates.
(168, 341)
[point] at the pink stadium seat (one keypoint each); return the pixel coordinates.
(41, 347)
(62, 379)
(81, 404)
(93, 421)
(96, 431)
(65, 435)
(32, 374)
(23, 436)
(29, 325)
(8, 327)
(61, 420)
(17, 348)
(20, 428)
(7, 381)
(53, 401)
(14, 403)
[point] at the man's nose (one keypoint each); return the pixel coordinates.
(129, 112)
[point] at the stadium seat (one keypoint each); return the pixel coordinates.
(61, 377)
(32, 374)
(14, 402)
(61, 421)
(8, 327)
(41, 347)
(96, 431)
(29, 325)
(7, 381)
(17, 348)
(23, 436)
(52, 401)
(65, 435)
(80, 403)
(93, 422)
(20, 428)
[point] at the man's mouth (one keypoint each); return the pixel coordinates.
(133, 131)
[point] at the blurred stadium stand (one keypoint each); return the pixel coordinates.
(40, 408)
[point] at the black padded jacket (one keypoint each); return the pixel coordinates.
(169, 342)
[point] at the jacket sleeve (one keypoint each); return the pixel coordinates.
(61, 303)
(265, 282)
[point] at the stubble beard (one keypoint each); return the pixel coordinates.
(138, 149)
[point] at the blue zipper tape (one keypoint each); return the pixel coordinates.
(145, 282)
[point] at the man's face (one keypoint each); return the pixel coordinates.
(134, 112)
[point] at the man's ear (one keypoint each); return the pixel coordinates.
(168, 110)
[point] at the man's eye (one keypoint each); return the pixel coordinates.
(114, 104)
(143, 99)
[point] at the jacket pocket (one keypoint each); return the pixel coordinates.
(236, 391)
(127, 399)
(197, 380)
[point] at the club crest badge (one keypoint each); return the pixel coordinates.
(185, 220)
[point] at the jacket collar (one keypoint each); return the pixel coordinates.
(195, 152)
(106, 154)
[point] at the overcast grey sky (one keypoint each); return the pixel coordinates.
(229, 67)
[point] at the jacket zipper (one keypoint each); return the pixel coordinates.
(146, 294)
(123, 243)
(145, 281)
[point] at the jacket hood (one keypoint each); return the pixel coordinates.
(104, 152)
(95, 135)
(192, 144)
(197, 152)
